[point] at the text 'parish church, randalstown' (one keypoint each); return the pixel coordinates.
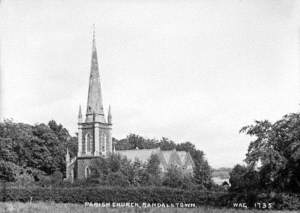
(95, 137)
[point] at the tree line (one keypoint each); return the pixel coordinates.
(36, 153)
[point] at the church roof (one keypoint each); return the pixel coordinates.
(167, 155)
(182, 155)
(141, 154)
(167, 158)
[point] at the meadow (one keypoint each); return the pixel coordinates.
(50, 207)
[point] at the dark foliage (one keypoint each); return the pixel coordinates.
(28, 149)
(274, 154)
(37, 153)
(110, 194)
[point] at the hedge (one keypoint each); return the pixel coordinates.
(146, 194)
(110, 194)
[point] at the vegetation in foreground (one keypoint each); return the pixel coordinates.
(43, 207)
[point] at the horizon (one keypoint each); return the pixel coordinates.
(188, 71)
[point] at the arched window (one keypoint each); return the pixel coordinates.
(88, 143)
(87, 172)
(72, 175)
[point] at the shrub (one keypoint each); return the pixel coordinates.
(117, 179)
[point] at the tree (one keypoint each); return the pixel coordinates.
(152, 166)
(38, 146)
(137, 175)
(9, 171)
(277, 148)
(167, 144)
(236, 178)
(173, 177)
(133, 141)
(202, 172)
(186, 146)
(152, 172)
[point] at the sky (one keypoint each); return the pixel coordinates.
(188, 70)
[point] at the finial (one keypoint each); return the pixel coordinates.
(79, 113)
(109, 112)
(109, 117)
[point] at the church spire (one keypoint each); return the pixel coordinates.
(94, 103)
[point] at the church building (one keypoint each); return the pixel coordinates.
(94, 130)
(95, 137)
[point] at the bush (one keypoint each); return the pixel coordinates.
(117, 179)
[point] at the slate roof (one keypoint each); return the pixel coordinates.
(167, 158)
(142, 154)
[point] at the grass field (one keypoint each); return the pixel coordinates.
(43, 207)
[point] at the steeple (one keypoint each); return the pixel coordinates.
(94, 103)
(109, 117)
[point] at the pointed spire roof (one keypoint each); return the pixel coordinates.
(94, 103)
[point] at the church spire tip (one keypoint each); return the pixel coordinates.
(94, 37)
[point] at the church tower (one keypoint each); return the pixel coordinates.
(94, 131)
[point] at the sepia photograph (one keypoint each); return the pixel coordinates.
(187, 106)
